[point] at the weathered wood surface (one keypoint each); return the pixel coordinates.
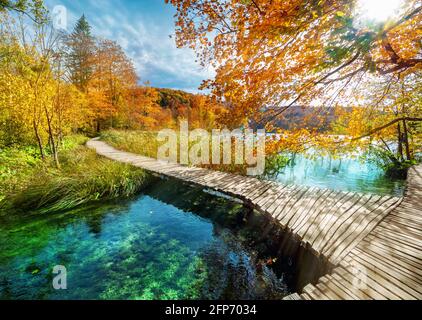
(387, 263)
(349, 229)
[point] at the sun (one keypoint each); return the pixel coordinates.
(378, 10)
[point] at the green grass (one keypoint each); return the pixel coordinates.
(139, 142)
(30, 185)
(19, 164)
(16, 166)
(146, 144)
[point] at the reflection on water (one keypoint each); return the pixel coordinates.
(173, 242)
(347, 174)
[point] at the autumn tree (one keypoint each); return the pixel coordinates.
(394, 121)
(38, 107)
(80, 46)
(113, 77)
(272, 55)
(205, 112)
(143, 111)
(15, 118)
(282, 53)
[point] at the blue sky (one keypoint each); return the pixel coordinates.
(142, 28)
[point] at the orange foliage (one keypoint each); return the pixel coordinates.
(285, 52)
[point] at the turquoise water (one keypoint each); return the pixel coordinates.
(346, 174)
(172, 242)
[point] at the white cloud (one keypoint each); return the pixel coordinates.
(144, 35)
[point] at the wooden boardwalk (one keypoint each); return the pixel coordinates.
(374, 241)
(387, 263)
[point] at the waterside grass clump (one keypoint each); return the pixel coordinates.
(83, 177)
(140, 142)
(145, 143)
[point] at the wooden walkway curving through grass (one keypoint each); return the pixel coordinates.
(374, 241)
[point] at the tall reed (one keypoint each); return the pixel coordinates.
(84, 177)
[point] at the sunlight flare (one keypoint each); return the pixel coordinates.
(378, 10)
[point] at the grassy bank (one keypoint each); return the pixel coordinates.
(28, 184)
(139, 142)
(146, 144)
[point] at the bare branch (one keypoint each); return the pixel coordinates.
(259, 9)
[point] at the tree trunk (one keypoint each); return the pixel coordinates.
(37, 135)
(400, 139)
(406, 141)
(52, 140)
(54, 149)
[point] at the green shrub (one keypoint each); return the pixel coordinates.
(275, 163)
(16, 166)
(388, 162)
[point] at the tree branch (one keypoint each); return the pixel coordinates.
(351, 74)
(403, 20)
(387, 126)
(405, 64)
(259, 9)
(320, 81)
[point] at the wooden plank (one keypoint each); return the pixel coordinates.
(214, 177)
(234, 186)
(373, 289)
(339, 290)
(375, 246)
(414, 214)
(315, 209)
(305, 211)
(293, 297)
(285, 215)
(239, 188)
(304, 206)
(338, 242)
(292, 197)
(406, 222)
(397, 240)
(324, 207)
(348, 288)
(406, 215)
(331, 294)
(314, 293)
(304, 296)
(402, 267)
(342, 214)
(221, 183)
(365, 227)
(266, 201)
(283, 198)
(390, 280)
(409, 232)
(250, 186)
(389, 244)
(327, 219)
(398, 237)
(259, 191)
